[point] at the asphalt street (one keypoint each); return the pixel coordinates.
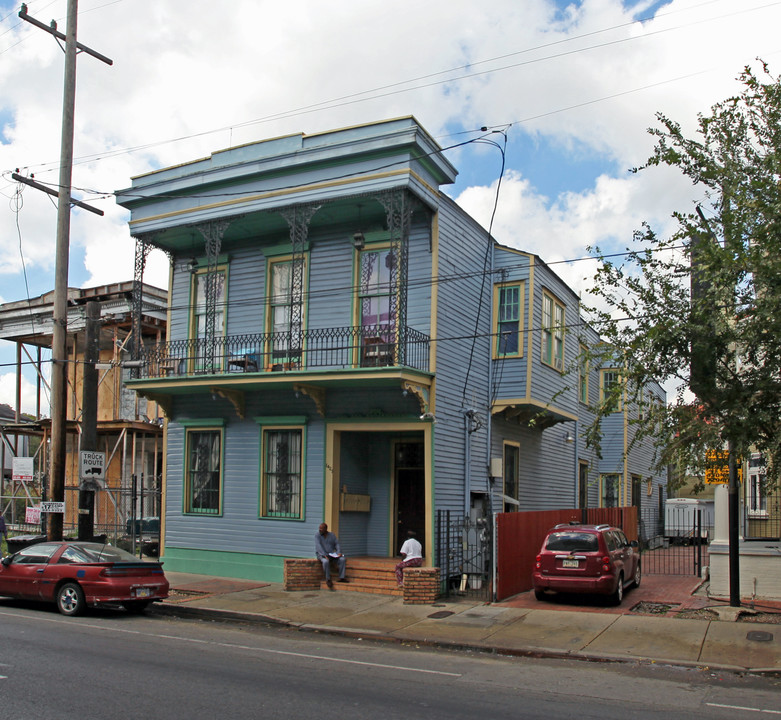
(109, 663)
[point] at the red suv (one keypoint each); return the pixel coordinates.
(587, 559)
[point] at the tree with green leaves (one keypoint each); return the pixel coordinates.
(702, 308)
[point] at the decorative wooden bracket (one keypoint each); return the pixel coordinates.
(163, 401)
(419, 391)
(235, 397)
(316, 393)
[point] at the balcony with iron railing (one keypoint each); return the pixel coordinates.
(322, 349)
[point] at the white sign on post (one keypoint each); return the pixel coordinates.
(52, 507)
(92, 465)
(22, 469)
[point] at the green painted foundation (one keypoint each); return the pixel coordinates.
(246, 566)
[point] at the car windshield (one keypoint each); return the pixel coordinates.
(571, 540)
(94, 553)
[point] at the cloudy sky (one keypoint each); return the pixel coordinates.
(572, 86)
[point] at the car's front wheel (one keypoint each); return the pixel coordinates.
(70, 599)
(618, 593)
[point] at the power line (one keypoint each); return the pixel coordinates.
(355, 97)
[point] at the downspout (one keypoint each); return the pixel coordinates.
(576, 464)
(490, 422)
(490, 413)
(467, 461)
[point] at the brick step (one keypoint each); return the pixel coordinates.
(367, 575)
(370, 575)
(366, 587)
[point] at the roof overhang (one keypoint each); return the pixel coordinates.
(533, 413)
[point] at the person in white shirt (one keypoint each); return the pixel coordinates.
(412, 556)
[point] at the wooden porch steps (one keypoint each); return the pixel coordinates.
(369, 575)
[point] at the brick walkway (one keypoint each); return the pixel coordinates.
(677, 591)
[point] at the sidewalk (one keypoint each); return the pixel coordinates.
(642, 629)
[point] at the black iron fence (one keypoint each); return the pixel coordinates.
(762, 516)
(341, 347)
(675, 543)
(464, 555)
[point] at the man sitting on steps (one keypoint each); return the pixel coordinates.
(327, 550)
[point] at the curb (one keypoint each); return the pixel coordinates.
(378, 635)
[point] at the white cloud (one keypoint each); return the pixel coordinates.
(8, 393)
(569, 79)
(604, 216)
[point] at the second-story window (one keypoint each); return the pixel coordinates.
(508, 300)
(584, 369)
(279, 300)
(205, 353)
(284, 326)
(374, 306)
(610, 390)
(552, 331)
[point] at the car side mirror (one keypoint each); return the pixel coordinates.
(6, 560)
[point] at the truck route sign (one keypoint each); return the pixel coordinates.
(92, 465)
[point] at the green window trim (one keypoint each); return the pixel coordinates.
(282, 471)
(202, 422)
(278, 319)
(204, 449)
(374, 304)
(377, 236)
(553, 327)
(610, 378)
(274, 420)
(201, 261)
(508, 319)
(198, 314)
(282, 249)
(583, 379)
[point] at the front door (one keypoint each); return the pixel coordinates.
(410, 481)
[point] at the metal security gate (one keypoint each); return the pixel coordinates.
(464, 555)
(675, 543)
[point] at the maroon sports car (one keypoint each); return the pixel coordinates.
(75, 575)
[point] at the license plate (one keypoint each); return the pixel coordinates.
(569, 563)
(143, 592)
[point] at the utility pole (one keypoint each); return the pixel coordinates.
(89, 416)
(60, 311)
(60, 318)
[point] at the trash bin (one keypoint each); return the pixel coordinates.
(15, 544)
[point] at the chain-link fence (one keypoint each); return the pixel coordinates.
(125, 517)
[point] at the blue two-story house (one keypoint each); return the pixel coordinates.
(346, 344)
